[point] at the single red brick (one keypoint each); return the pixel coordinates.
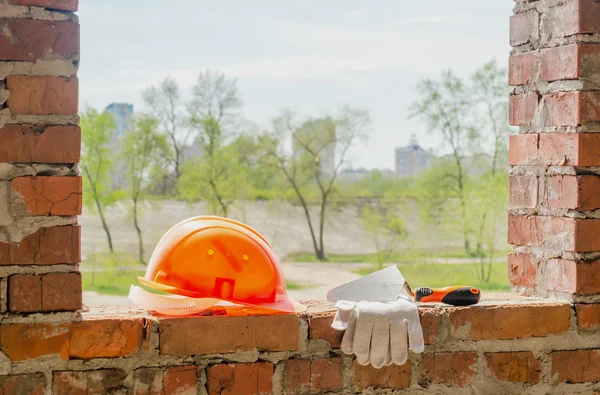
(40, 144)
(179, 380)
(21, 342)
(320, 328)
(562, 108)
(509, 321)
(297, 375)
(560, 275)
(579, 366)
(578, 61)
(30, 39)
(581, 277)
(223, 334)
(50, 195)
(561, 192)
(430, 324)
(575, 192)
(522, 108)
(388, 377)
(326, 375)
(524, 28)
(30, 384)
(585, 239)
(572, 108)
(67, 5)
(575, 235)
(25, 293)
(106, 338)
(90, 382)
(523, 191)
(570, 149)
(522, 68)
(534, 231)
(516, 367)
(588, 316)
(43, 95)
(61, 292)
(589, 16)
(560, 63)
(521, 271)
(242, 379)
(448, 368)
(47, 246)
(559, 149)
(523, 149)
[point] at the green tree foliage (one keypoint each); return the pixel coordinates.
(97, 165)
(465, 191)
(141, 151)
(219, 175)
(386, 228)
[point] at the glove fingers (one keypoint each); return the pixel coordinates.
(362, 338)
(415, 334)
(399, 342)
(345, 310)
(348, 338)
(380, 343)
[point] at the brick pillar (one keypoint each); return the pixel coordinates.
(40, 187)
(554, 217)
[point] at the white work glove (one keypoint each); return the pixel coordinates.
(378, 333)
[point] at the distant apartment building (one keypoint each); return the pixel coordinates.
(320, 136)
(123, 116)
(412, 159)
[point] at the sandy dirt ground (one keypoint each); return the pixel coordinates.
(282, 224)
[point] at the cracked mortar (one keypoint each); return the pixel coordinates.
(31, 12)
(48, 66)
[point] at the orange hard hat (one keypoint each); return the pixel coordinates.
(219, 258)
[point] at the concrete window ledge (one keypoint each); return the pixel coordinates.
(513, 345)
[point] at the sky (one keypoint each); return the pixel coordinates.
(312, 56)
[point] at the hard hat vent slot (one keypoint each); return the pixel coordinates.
(224, 288)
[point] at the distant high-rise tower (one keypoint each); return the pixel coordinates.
(320, 136)
(123, 116)
(410, 160)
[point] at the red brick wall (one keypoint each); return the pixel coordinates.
(504, 347)
(47, 345)
(555, 183)
(40, 187)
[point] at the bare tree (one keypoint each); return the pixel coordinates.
(213, 115)
(215, 97)
(319, 149)
(446, 105)
(166, 104)
(141, 151)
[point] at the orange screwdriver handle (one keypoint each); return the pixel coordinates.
(460, 295)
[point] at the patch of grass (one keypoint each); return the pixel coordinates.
(436, 275)
(118, 282)
(411, 255)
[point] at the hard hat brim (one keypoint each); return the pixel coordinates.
(287, 305)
